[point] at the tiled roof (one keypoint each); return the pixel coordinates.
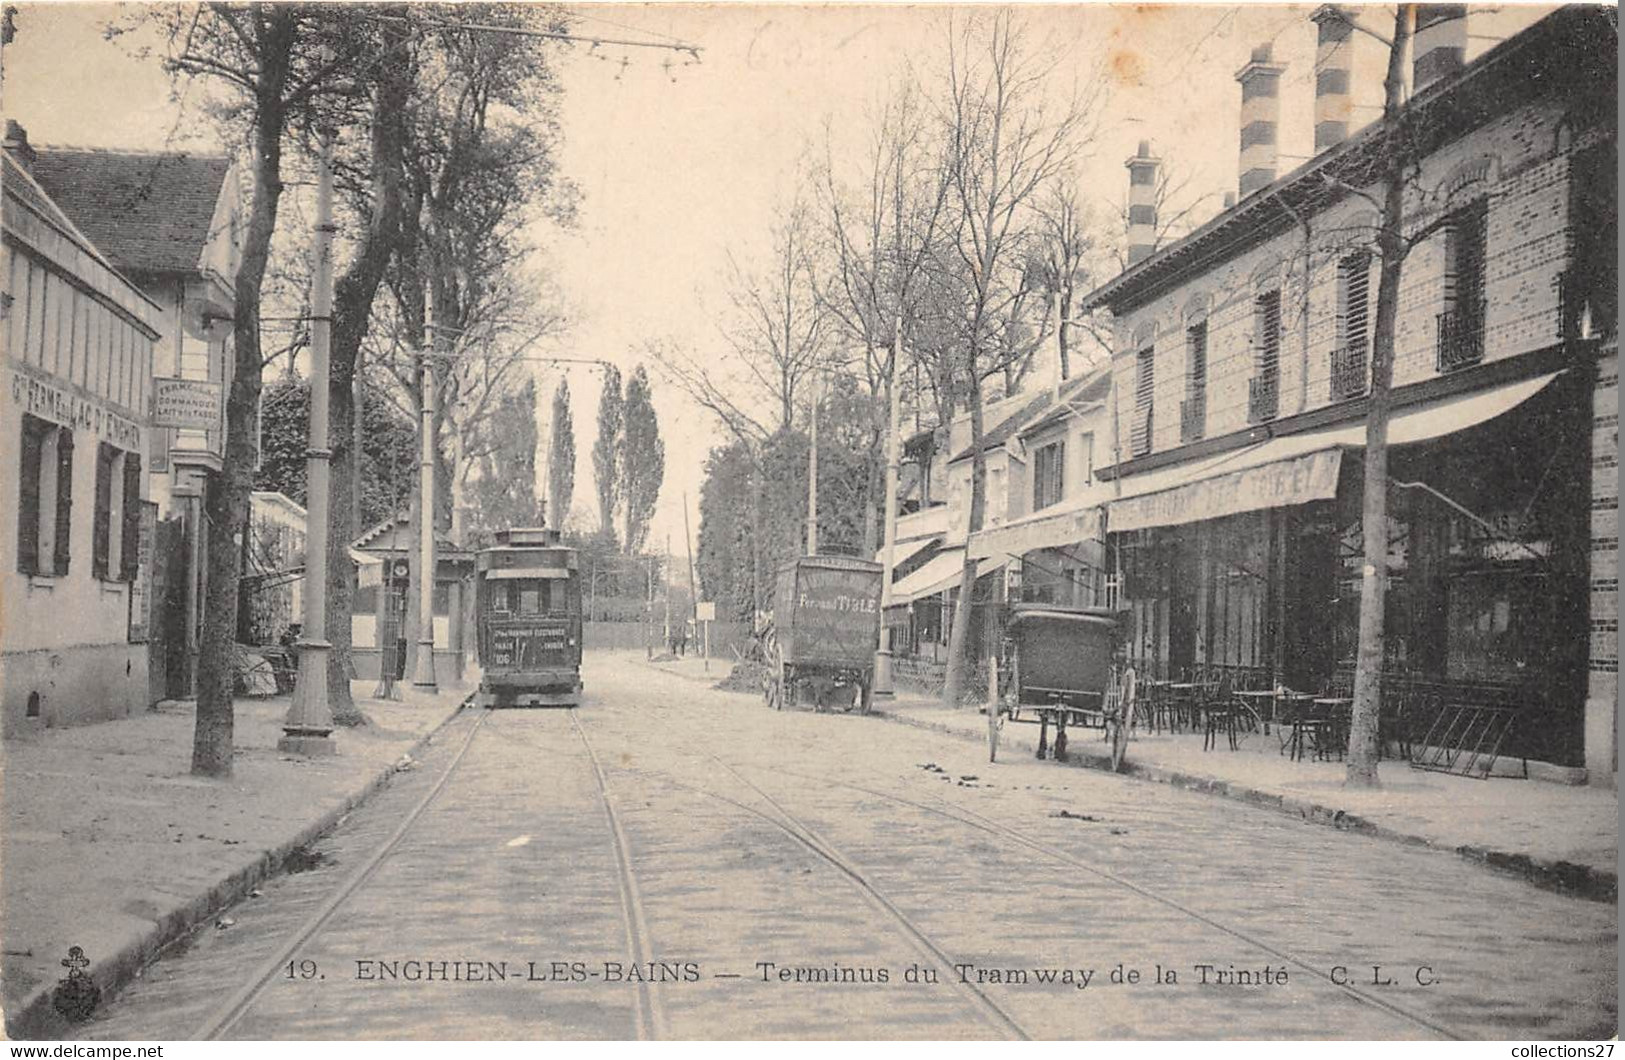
(1008, 427)
(148, 212)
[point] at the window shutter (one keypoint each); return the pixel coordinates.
(1196, 352)
(1268, 309)
(64, 501)
(1356, 299)
(28, 496)
(129, 557)
(101, 543)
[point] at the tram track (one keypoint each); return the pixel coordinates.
(221, 1019)
(1014, 837)
(998, 829)
(649, 1020)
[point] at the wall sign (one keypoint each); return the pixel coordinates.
(141, 587)
(1276, 485)
(191, 403)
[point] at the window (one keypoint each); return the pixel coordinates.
(101, 552)
(130, 552)
(1193, 413)
(1086, 452)
(1049, 465)
(1144, 387)
(1348, 367)
(1461, 325)
(44, 498)
(1264, 390)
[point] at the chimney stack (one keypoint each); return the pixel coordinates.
(1260, 117)
(16, 142)
(1334, 70)
(1440, 45)
(1142, 203)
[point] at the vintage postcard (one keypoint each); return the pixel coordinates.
(734, 522)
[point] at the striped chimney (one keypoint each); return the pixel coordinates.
(1440, 45)
(1260, 117)
(1334, 68)
(1142, 203)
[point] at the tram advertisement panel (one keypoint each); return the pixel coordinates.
(530, 645)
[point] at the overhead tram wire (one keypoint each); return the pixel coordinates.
(573, 38)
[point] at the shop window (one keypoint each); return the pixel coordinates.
(442, 598)
(1349, 356)
(1461, 325)
(44, 498)
(1193, 411)
(1049, 467)
(1264, 389)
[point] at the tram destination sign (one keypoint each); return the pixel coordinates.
(521, 645)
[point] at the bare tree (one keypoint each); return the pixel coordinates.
(1008, 139)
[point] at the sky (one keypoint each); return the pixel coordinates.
(680, 165)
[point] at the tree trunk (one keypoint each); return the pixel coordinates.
(1363, 751)
(959, 638)
(227, 503)
(352, 309)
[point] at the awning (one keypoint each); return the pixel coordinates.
(907, 550)
(1296, 468)
(940, 572)
(1064, 524)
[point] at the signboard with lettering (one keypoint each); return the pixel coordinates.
(59, 405)
(527, 645)
(141, 587)
(1312, 477)
(191, 403)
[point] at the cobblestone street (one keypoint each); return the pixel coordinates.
(831, 876)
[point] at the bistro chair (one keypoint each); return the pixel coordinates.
(1218, 709)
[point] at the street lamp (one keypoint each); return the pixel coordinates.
(308, 728)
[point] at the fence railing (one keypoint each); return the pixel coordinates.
(1263, 398)
(1461, 337)
(1350, 374)
(1193, 417)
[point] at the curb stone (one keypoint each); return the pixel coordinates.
(1565, 877)
(36, 1020)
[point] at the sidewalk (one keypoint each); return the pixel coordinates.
(110, 844)
(1560, 837)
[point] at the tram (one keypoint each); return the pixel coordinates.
(528, 597)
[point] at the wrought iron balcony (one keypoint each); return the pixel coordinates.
(1193, 417)
(1263, 398)
(1351, 374)
(1461, 337)
(1139, 438)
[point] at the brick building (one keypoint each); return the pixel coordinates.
(1241, 366)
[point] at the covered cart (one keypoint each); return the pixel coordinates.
(826, 614)
(1064, 672)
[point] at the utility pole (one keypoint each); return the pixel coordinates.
(883, 657)
(688, 543)
(812, 477)
(423, 677)
(649, 612)
(308, 728)
(666, 622)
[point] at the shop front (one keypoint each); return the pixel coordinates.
(1250, 562)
